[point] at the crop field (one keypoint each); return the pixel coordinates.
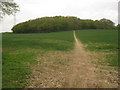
(20, 51)
(104, 41)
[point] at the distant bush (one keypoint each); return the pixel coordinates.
(60, 23)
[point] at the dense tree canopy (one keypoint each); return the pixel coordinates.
(118, 26)
(61, 23)
(8, 8)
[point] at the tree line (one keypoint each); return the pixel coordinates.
(61, 23)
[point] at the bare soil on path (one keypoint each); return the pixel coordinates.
(74, 70)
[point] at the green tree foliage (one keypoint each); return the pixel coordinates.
(106, 24)
(8, 8)
(118, 26)
(60, 23)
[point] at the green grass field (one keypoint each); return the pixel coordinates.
(20, 50)
(104, 41)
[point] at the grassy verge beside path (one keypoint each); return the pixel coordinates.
(101, 41)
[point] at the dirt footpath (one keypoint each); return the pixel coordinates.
(78, 71)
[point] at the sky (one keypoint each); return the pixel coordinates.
(83, 9)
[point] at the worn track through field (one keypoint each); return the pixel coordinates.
(80, 73)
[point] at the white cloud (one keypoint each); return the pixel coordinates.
(84, 9)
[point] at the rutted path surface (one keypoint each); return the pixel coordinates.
(78, 71)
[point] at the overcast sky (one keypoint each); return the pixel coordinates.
(84, 9)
